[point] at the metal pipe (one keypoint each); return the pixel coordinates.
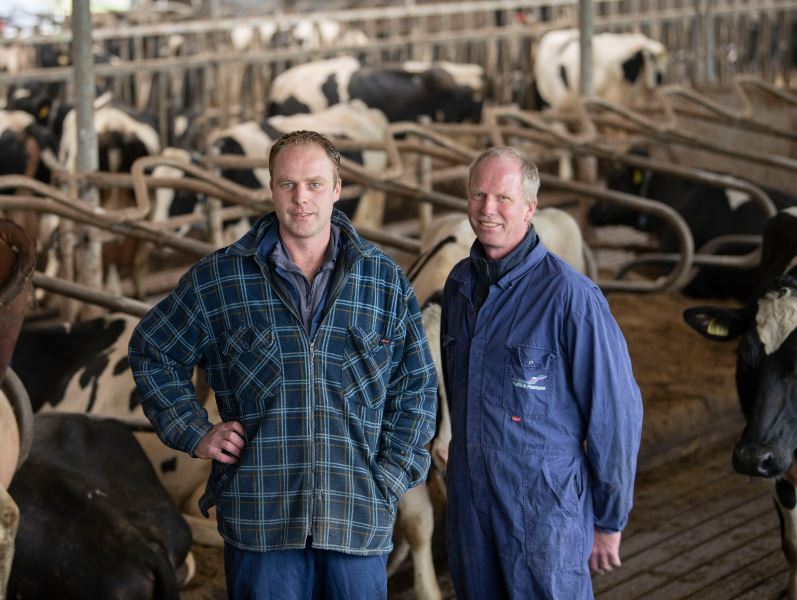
(91, 295)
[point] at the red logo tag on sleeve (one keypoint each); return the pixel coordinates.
(516, 419)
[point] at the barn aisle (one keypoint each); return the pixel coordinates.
(697, 531)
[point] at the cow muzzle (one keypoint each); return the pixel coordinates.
(759, 460)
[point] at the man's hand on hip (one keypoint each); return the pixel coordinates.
(605, 552)
(223, 443)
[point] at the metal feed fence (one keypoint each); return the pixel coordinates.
(708, 41)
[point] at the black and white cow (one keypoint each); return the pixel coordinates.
(26, 148)
(449, 238)
(123, 135)
(766, 374)
(95, 521)
(305, 33)
(83, 368)
(444, 91)
(709, 212)
(625, 66)
(350, 120)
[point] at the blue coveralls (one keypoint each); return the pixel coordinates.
(546, 423)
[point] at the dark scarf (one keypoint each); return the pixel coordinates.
(488, 271)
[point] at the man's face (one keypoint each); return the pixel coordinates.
(497, 209)
(304, 188)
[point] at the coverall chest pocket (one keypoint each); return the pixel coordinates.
(528, 381)
(254, 368)
(366, 367)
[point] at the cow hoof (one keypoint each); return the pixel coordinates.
(186, 571)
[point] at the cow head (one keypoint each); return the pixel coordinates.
(766, 380)
(766, 367)
(647, 65)
(456, 91)
(629, 179)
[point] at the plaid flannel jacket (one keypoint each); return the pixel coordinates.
(335, 427)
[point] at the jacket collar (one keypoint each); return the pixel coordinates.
(466, 276)
(491, 271)
(266, 226)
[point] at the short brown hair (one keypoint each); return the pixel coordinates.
(305, 138)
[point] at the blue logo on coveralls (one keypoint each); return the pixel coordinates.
(531, 384)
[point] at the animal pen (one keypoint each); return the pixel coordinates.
(727, 121)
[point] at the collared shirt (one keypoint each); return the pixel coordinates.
(309, 297)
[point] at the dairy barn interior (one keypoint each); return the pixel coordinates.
(134, 139)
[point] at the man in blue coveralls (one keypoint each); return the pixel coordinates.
(546, 414)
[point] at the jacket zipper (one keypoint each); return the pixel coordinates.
(312, 441)
(333, 296)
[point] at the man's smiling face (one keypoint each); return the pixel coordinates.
(498, 210)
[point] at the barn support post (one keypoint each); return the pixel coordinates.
(586, 27)
(703, 42)
(586, 166)
(708, 33)
(425, 210)
(89, 250)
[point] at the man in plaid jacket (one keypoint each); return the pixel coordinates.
(312, 341)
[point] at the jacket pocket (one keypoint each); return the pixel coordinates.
(220, 475)
(553, 515)
(254, 368)
(528, 381)
(366, 367)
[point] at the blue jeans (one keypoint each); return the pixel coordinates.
(308, 574)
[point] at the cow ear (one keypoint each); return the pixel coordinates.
(633, 66)
(438, 79)
(719, 324)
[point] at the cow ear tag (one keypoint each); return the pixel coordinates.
(44, 111)
(717, 327)
(637, 176)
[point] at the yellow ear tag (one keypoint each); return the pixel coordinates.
(63, 60)
(637, 176)
(716, 328)
(44, 111)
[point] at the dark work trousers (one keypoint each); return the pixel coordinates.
(308, 574)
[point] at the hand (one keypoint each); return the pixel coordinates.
(605, 552)
(222, 443)
(440, 455)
